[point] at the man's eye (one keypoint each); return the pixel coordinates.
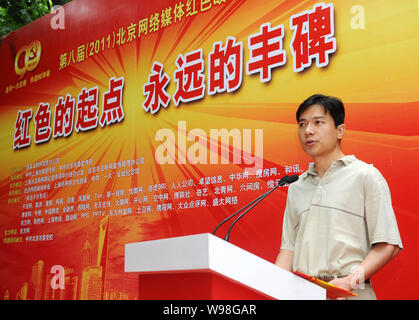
(301, 124)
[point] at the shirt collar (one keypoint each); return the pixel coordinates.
(346, 160)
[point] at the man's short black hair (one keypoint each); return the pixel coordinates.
(331, 105)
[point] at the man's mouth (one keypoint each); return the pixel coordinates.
(310, 142)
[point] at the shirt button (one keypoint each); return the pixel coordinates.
(318, 194)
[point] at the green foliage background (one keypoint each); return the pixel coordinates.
(17, 13)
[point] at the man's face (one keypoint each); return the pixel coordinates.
(317, 132)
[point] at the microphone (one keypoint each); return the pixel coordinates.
(292, 178)
(284, 180)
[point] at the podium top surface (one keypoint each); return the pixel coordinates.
(208, 252)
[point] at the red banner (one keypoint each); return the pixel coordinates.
(125, 121)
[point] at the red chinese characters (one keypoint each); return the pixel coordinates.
(266, 51)
(42, 123)
(82, 116)
(113, 110)
(189, 79)
(64, 117)
(87, 109)
(225, 67)
(313, 37)
(155, 91)
(21, 137)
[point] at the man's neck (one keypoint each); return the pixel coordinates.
(322, 163)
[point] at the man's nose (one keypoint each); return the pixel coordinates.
(309, 129)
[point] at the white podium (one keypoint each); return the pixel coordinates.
(203, 266)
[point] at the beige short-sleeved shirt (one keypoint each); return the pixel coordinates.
(331, 223)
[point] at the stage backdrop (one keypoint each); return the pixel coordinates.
(125, 121)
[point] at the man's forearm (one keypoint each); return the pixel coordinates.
(285, 259)
(379, 255)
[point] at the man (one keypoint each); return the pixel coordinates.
(339, 223)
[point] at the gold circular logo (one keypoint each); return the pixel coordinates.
(32, 57)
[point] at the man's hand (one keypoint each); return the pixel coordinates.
(344, 283)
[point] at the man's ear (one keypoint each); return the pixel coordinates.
(341, 130)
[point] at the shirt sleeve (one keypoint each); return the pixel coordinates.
(289, 225)
(379, 213)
